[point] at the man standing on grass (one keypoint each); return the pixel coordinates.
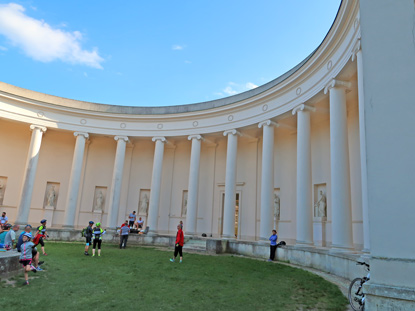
(88, 237)
(124, 231)
(273, 245)
(179, 244)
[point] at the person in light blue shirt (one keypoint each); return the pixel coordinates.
(273, 245)
(124, 231)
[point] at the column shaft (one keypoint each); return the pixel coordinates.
(115, 194)
(156, 184)
(304, 199)
(74, 179)
(340, 171)
(267, 180)
(363, 167)
(30, 174)
(230, 186)
(193, 188)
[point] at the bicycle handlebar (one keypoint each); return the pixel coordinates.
(362, 263)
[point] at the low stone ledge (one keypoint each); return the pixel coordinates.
(9, 262)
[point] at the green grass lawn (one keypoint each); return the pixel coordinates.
(143, 278)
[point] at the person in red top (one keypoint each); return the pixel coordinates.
(179, 244)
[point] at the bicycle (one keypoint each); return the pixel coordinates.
(356, 294)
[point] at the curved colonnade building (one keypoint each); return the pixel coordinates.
(294, 154)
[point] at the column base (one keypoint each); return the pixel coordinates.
(68, 227)
(304, 244)
(227, 237)
(341, 249)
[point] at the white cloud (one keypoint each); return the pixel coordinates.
(41, 42)
(2, 48)
(234, 88)
(177, 47)
(250, 86)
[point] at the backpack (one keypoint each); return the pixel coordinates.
(83, 232)
(282, 243)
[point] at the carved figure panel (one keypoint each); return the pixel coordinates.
(184, 203)
(3, 183)
(51, 195)
(144, 202)
(320, 200)
(277, 206)
(99, 199)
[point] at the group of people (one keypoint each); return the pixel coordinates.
(133, 223)
(25, 243)
(93, 236)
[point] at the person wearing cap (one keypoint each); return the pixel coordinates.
(35, 254)
(88, 237)
(124, 231)
(26, 256)
(41, 233)
(97, 234)
(11, 236)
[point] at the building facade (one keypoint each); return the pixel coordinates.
(295, 154)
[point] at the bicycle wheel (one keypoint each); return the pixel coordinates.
(356, 295)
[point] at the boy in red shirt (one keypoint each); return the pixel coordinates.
(179, 244)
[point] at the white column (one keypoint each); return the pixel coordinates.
(193, 188)
(153, 211)
(230, 185)
(342, 237)
(362, 135)
(75, 179)
(30, 174)
(267, 179)
(304, 198)
(115, 194)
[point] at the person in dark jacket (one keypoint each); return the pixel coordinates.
(88, 237)
(179, 244)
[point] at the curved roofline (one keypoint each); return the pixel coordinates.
(159, 110)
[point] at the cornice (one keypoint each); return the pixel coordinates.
(268, 101)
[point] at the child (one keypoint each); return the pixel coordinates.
(273, 245)
(179, 244)
(26, 256)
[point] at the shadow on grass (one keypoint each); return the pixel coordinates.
(143, 277)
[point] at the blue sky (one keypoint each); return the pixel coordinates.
(156, 52)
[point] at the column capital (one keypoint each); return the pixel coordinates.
(198, 137)
(303, 107)
(160, 138)
(35, 126)
(337, 83)
(124, 138)
(86, 135)
(233, 132)
(267, 123)
(357, 48)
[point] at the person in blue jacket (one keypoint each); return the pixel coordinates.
(273, 245)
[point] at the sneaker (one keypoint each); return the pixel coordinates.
(40, 263)
(33, 269)
(86, 254)
(93, 255)
(26, 283)
(171, 260)
(99, 255)
(39, 269)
